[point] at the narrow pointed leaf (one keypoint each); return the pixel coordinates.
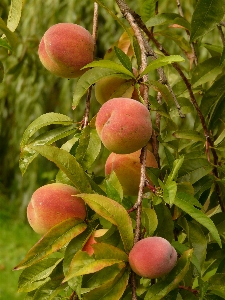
(149, 220)
(160, 62)
(189, 135)
(167, 18)
(207, 14)
(114, 213)
(4, 44)
(36, 275)
(124, 59)
(91, 77)
(107, 251)
(11, 36)
(42, 121)
(52, 241)
(27, 154)
(112, 290)
(108, 64)
(14, 15)
(147, 9)
(68, 164)
(169, 192)
(162, 288)
(199, 216)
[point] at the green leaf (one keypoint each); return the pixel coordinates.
(107, 251)
(147, 9)
(68, 164)
(37, 274)
(112, 290)
(114, 213)
(160, 62)
(206, 71)
(114, 189)
(108, 64)
(14, 15)
(92, 76)
(4, 44)
(189, 199)
(53, 287)
(176, 167)
(27, 155)
(42, 121)
(137, 51)
(171, 281)
(153, 175)
(181, 248)
(189, 135)
(11, 37)
(164, 217)
(159, 87)
(217, 284)
(89, 147)
(168, 18)
(207, 14)
(212, 96)
(199, 216)
(169, 192)
(102, 277)
(52, 241)
(124, 59)
(149, 220)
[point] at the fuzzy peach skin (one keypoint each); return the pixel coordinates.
(123, 125)
(152, 257)
(52, 204)
(128, 169)
(88, 246)
(65, 48)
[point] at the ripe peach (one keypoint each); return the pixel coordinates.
(52, 204)
(87, 247)
(112, 86)
(128, 169)
(65, 48)
(124, 125)
(152, 257)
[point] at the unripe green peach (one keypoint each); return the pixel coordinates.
(53, 203)
(65, 48)
(88, 246)
(128, 169)
(123, 125)
(152, 257)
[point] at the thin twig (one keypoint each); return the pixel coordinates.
(194, 56)
(221, 34)
(94, 35)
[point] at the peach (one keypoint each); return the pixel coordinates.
(112, 86)
(65, 48)
(128, 169)
(123, 125)
(152, 257)
(88, 246)
(52, 204)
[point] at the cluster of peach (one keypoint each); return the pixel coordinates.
(124, 126)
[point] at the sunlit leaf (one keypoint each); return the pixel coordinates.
(168, 18)
(68, 164)
(4, 44)
(114, 189)
(14, 15)
(147, 9)
(107, 251)
(189, 135)
(149, 220)
(112, 290)
(11, 37)
(199, 216)
(114, 213)
(36, 275)
(169, 192)
(52, 241)
(160, 62)
(42, 121)
(92, 76)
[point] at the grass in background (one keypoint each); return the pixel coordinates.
(16, 238)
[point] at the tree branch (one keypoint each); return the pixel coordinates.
(88, 97)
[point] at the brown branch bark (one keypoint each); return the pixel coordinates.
(88, 97)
